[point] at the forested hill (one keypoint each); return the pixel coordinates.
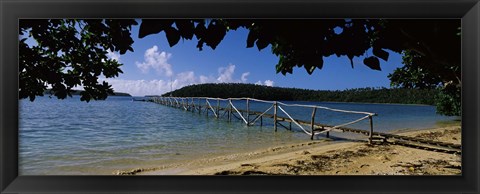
(367, 95)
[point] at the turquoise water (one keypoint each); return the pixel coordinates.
(70, 137)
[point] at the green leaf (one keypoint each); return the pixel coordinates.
(351, 59)
(150, 26)
(279, 66)
(309, 68)
(373, 63)
(319, 63)
(172, 36)
(186, 28)
(261, 44)
(252, 37)
(215, 33)
(200, 30)
(380, 53)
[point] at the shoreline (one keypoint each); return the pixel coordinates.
(328, 157)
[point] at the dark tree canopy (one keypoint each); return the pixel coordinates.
(73, 52)
(305, 43)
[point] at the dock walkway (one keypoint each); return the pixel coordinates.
(311, 128)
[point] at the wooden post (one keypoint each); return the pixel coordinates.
(261, 121)
(275, 116)
(193, 105)
(218, 107)
(199, 107)
(371, 129)
(184, 104)
(248, 114)
(328, 134)
(290, 128)
(312, 124)
(230, 110)
(206, 105)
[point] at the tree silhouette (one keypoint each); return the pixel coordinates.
(431, 47)
(69, 53)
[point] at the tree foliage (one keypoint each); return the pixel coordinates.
(68, 55)
(434, 63)
(430, 48)
(297, 43)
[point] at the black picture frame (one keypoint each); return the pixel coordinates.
(11, 11)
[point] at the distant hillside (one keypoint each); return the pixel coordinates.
(77, 92)
(366, 95)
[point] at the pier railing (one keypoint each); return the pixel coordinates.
(311, 128)
(220, 107)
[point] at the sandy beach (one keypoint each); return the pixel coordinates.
(328, 157)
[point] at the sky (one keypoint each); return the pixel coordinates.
(155, 68)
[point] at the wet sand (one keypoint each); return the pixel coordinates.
(327, 157)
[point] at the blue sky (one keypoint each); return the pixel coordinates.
(154, 67)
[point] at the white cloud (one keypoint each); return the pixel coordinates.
(158, 87)
(156, 60)
(268, 82)
(184, 79)
(209, 79)
(226, 73)
(152, 87)
(113, 55)
(139, 87)
(244, 76)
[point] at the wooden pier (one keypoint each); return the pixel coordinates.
(311, 128)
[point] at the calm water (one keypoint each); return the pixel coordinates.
(73, 137)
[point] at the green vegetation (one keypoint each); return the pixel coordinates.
(365, 95)
(71, 53)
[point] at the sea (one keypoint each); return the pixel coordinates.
(71, 137)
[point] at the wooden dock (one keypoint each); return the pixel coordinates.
(312, 127)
